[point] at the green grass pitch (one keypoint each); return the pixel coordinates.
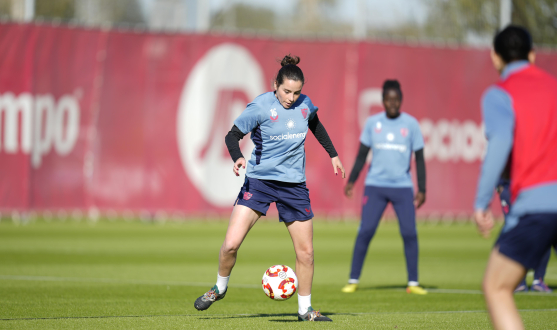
(135, 275)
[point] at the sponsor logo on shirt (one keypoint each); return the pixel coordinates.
(305, 112)
(274, 115)
(290, 124)
(404, 132)
(391, 146)
(378, 127)
(287, 136)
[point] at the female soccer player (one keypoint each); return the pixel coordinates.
(392, 136)
(278, 122)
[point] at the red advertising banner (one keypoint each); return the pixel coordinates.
(126, 123)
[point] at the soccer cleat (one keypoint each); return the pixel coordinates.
(350, 288)
(416, 290)
(522, 287)
(540, 287)
(313, 315)
(205, 301)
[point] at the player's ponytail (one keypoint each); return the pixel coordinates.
(290, 70)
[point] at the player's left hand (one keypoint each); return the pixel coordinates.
(484, 220)
(240, 163)
(338, 165)
(419, 199)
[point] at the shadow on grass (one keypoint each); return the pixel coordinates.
(248, 316)
(392, 287)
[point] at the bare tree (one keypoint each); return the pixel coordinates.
(113, 11)
(311, 16)
(64, 9)
(241, 16)
(459, 19)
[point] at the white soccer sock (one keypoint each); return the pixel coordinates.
(413, 283)
(222, 283)
(304, 302)
(353, 281)
(536, 282)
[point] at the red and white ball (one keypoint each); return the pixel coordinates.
(279, 282)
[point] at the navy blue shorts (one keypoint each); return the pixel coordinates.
(530, 239)
(292, 199)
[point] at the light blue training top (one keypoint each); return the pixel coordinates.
(499, 120)
(279, 136)
(392, 142)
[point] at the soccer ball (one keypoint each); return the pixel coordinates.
(279, 282)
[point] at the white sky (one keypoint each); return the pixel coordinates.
(379, 13)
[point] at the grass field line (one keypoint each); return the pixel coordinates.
(207, 284)
(114, 280)
(262, 315)
(464, 291)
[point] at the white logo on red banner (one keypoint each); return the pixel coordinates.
(446, 140)
(45, 123)
(216, 92)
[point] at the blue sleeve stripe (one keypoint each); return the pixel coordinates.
(258, 141)
(498, 116)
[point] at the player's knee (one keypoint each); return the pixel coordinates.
(486, 288)
(490, 289)
(409, 236)
(305, 255)
(365, 235)
(230, 247)
(492, 286)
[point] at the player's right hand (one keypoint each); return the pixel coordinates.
(348, 189)
(240, 163)
(484, 220)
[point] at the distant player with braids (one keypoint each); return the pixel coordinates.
(392, 136)
(278, 122)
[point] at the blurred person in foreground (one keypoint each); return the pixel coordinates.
(520, 116)
(392, 136)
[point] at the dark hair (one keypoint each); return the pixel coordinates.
(290, 70)
(513, 43)
(392, 84)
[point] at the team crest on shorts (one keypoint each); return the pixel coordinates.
(404, 132)
(247, 195)
(505, 207)
(305, 112)
(308, 210)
